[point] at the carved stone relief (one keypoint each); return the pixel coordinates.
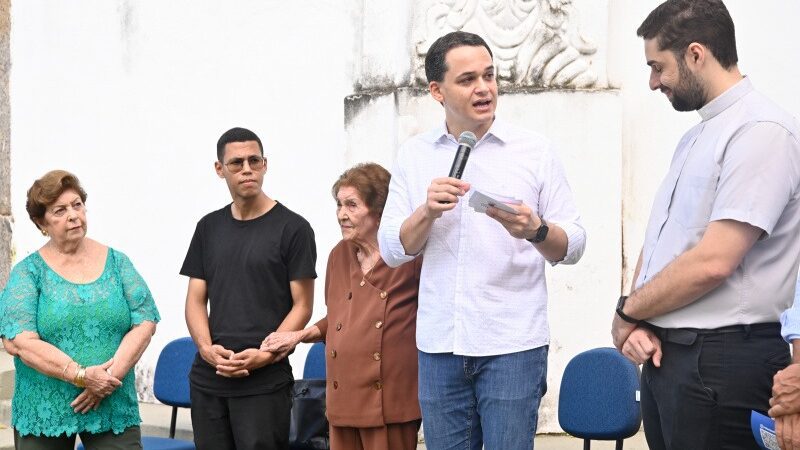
(536, 43)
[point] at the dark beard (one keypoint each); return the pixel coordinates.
(689, 93)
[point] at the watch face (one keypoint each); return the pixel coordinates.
(541, 233)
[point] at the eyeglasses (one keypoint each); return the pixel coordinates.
(237, 164)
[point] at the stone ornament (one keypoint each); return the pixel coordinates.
(536, 43)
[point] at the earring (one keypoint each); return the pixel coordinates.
(44, 233)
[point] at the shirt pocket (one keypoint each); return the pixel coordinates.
(694, 200)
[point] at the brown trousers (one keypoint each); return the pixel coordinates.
(394, 436)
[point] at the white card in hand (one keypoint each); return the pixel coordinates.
(480, 201)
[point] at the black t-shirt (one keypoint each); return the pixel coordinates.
(247, 266)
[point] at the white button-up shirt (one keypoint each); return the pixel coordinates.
(742, 163)
(482, 292)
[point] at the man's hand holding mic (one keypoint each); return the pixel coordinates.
(443, 192)
(443, 195)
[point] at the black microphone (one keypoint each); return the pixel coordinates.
(466, 142)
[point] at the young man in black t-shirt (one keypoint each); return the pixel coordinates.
(254, 262)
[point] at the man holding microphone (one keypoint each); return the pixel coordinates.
(482, 329)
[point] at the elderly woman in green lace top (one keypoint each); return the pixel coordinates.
(77, 316)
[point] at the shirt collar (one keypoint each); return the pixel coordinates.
(499, 130)
(726, 99)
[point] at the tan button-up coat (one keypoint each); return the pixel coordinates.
(369, 333)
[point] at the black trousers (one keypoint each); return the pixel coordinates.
(253, 422)
(708, 382)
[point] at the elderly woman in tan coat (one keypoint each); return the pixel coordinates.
(369, 331)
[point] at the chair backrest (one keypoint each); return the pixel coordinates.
(171, 381)
(599, 396)
(314, 367)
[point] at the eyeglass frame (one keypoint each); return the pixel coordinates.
(250, 161)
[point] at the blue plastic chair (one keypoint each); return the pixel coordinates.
(599, 397)
(171, 387)
(314, 367)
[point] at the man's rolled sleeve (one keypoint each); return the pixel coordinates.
(576, 243)
(395, 212)
(557, 206)
(391, 247)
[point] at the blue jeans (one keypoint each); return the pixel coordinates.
(468, 402)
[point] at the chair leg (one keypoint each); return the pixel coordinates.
(587, 444)
(173, 422)
(619, 444)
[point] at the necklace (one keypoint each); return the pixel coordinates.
(366, 272)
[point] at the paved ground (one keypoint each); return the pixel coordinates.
(543, 442)
(155, 422)
(6, 438)
(564, 442)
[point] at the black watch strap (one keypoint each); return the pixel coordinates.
(622, 315)
(541, 233)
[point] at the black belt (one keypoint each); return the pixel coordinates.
(687, 336)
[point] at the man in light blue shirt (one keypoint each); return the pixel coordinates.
(785, 401)
(482, 330)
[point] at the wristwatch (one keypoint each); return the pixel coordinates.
(541, 233)
(622, 315)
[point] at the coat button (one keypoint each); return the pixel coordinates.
(384, 295)
(333, 353)
(378, 385)
(378, 324)
(336, 385)
(376, 356)
(339, 326)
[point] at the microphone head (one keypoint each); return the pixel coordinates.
(467, 138)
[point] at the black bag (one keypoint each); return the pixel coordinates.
(308, 429)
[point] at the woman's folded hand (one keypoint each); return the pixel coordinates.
(99, 381)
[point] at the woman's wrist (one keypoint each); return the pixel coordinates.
(64, 372)
(302, 335)
(311, 334)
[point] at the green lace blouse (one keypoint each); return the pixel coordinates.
(85, 321)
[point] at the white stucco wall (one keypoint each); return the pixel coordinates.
(131, 95)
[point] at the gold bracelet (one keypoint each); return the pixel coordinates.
(80, 377)
(64, 372)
